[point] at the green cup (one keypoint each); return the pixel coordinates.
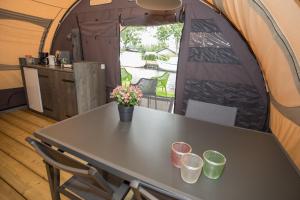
(214, 163)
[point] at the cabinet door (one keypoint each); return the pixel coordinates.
(46, 80)
(67, 94)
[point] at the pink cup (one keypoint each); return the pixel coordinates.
(178, 150)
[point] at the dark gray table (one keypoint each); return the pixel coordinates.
(257, 167)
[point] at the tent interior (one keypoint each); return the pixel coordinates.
(235, 53)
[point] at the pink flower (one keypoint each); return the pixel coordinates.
(128, 96)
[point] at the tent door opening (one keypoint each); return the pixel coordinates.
(149, 58)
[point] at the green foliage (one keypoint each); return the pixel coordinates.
(154, 57)
(155, 48)
(130, 36)
(166, 31)
(162, 93)
(150, 57)
(163, 57)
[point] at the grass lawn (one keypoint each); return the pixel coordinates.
(162, 93)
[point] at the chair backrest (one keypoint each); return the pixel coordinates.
(163, 79)
(125, 75)
(143, 191)
(148, 86)
(218, 114)
(62, 162)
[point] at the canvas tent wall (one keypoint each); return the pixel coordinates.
(216, 66)
(272, 35)
(26, 27)
(272, 29)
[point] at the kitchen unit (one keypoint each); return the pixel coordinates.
(61, 93)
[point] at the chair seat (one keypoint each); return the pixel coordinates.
(87, 188)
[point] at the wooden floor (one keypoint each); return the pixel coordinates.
(22, 172)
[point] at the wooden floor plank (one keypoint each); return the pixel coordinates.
(23, 180)
(26, 156)
(27, 126)
(14, 132)
(39, 116)
(7, 192)
(23, 154)
(31, 118)
(27, 183)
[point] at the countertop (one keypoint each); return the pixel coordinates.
(56, 67)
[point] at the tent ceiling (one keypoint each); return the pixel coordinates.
(18, 20)
(24, 25)
(33, 8)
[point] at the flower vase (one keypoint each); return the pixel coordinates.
(125, 113)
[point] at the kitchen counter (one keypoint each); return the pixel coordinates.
(55, 68)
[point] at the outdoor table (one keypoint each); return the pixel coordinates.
(257, 166)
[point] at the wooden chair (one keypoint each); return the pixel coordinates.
(86, 182)
(209, 112)
(143, 191)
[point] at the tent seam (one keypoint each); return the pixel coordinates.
(281, 36)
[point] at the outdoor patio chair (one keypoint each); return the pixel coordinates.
(162, 81)
(143, 191)
(218, 114)
(87, 182)
(126, 77)
(148, 87)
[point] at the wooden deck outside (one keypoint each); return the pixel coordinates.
(22, 172)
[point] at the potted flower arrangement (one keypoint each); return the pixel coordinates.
(127, 98)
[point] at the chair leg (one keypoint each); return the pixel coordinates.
(171, 102)
(148, 100)
(50, 174)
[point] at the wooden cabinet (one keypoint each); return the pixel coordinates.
(58, 92)
(46, 79)
(65, 93)
(67, 101)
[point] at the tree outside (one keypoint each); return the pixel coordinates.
(148, 52)
(132, 37)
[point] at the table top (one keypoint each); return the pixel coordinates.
(257, 167)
